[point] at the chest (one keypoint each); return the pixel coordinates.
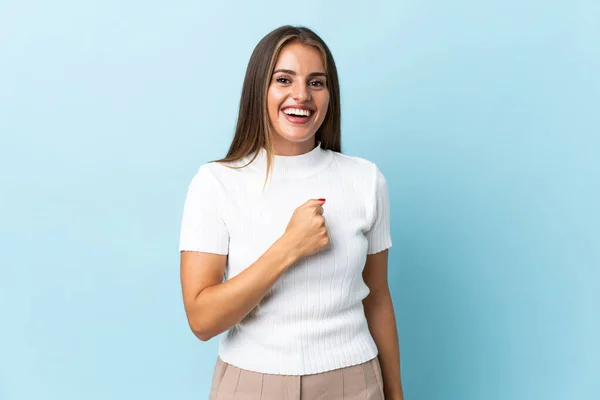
(255, 219)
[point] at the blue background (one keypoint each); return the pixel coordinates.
(483, 116)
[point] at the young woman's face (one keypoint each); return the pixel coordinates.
(297, 97)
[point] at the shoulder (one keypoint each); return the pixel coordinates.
(357, 166)
(216, 172)
(352, 160)
(204, 179)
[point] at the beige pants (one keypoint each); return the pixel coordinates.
(362, 381)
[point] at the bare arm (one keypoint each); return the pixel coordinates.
(379, 311)
(213, 307)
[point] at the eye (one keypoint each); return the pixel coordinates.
(317, 83)
(283, 79)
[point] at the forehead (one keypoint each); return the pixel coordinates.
(301, 58)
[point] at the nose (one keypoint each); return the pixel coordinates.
(300, 92)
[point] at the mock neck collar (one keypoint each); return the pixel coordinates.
(293, 167)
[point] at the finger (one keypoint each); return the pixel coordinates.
(315, 202)
(320, 210)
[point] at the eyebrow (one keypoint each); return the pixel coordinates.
(292, 72)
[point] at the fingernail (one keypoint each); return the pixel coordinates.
(321, 199)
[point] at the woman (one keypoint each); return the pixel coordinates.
(300, 233)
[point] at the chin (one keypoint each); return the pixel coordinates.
(297, 137)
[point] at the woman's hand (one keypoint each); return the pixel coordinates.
(306, 232)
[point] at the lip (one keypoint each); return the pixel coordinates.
(298, 120)
(303, 107)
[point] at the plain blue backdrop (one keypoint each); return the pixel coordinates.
(484, 117)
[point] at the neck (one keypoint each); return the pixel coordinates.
(282, 147)
(303, 165)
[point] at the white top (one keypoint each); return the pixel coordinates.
(312, 319)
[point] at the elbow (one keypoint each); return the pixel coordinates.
(202, 336)
(200, 330)
(203, 323)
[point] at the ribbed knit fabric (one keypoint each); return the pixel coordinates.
(312, 319)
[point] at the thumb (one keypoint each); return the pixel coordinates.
(315, 202)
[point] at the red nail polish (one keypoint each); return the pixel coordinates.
(321, 199)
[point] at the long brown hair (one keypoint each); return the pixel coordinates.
(253, 128)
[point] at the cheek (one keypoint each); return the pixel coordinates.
(274, 99)
(323, 104)
(270, 101)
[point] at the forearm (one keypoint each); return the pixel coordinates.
(222, 306)
(379, 311)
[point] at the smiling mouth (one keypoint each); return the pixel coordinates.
(297, 115)
(297, 112)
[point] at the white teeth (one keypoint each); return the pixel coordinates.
(297, 111)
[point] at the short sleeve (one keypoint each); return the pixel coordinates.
(379, 235)
(202, 228)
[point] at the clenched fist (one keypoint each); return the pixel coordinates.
(306, 232)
